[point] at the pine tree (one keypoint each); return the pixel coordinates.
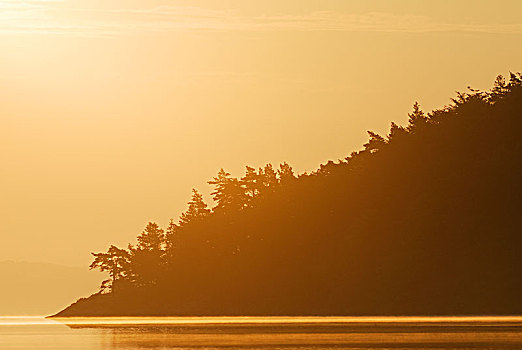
(251, 182)
(116, 262)
(228, 192)
(147, 257)
(170, 238)
(375, 143)
(268, 177)
(285, 173)
(197, 208)
(417, 119)
(152, 238)
(396, 132)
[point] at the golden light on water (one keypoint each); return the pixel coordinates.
(271, 332)
(455, 320)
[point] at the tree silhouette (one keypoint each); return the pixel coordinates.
(422, 221)
(286, 174)
(116, 262)
(417, 119)
(228, 193)
(147, 255)
(197, 209)
(396, 132)
(268, 178)
(152, 238)
(252, 183)
(375, 143)
(170, 239)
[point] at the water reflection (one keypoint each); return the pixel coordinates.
(262, 333)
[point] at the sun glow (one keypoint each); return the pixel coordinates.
(112, 111)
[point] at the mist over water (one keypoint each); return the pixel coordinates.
(23, 333)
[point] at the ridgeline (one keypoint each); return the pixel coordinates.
(423, 221)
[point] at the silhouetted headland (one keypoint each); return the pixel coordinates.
(423, 221)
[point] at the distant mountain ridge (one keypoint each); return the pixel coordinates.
(38, 288)
(423, 221)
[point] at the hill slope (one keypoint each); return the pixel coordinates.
(424, 221)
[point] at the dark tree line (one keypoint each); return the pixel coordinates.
(142, 264)
(424, 220)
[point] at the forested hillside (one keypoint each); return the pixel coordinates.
(425, 220)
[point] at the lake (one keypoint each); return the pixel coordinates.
(30, 333)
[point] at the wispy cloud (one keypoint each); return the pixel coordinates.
(50, 17)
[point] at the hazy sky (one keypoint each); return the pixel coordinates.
(111, 111)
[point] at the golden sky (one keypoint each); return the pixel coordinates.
(111, 111)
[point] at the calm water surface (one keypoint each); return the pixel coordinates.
(270, 333)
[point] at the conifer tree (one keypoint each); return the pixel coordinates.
(268, 177)
(228, 192)
(170, 238)
(116, 262)
(285, 173)
(147, 257)
(197, 208)
(375, 143)
(251, 182)
(396, 132)
(417, 119)
(152, 238)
